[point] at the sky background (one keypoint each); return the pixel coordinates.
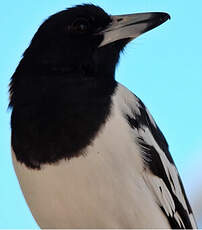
(163, 67)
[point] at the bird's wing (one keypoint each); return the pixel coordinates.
(160, 175)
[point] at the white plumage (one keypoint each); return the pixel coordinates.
(103, 188)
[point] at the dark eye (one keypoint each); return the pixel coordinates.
(80, 25)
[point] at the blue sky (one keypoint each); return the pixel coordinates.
(163, 67)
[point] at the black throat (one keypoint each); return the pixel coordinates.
(58, 111)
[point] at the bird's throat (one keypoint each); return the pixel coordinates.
(61, 120)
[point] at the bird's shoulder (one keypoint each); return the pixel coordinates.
(160, 173)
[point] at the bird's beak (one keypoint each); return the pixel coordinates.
(131, 26)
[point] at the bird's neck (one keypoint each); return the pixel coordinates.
(56, 117)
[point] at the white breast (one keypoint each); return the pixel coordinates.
(102, 189)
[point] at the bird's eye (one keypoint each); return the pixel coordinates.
(80, 25)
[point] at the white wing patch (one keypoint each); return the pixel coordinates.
(158, 186)
(161, 192)
(163, 196)
(160, 173)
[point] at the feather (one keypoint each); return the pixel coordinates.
(160, 173)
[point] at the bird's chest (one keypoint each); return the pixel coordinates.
(103, 188)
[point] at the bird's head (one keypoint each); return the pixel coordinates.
(85, 39)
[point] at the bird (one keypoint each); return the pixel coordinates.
(86, 151)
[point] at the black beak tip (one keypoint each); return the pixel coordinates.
(159, 18)
(164, 17)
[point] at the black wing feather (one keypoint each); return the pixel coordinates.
(141, 121)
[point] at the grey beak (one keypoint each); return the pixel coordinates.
(131, 26)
